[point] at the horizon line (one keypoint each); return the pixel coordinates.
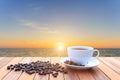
(48, 47)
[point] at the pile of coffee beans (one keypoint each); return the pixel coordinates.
(72, 63)
(40, 67)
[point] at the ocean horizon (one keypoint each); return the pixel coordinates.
(51, 52)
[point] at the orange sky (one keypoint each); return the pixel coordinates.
(55, 44)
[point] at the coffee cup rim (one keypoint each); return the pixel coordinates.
(86, 47)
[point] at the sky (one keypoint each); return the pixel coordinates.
(45, 23)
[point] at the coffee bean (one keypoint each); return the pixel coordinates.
(11, 65)
(41, 72)
(23, 70)
(12, 68)
(62, 68)
(40, 67)
(17, 69)
(44, 73)
(8, 67)
(31, 72)
(57, 64)
(73, 63)
(55, 74)
(65, 71)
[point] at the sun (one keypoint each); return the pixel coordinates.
(60, 46)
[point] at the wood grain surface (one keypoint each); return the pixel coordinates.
(109, 69)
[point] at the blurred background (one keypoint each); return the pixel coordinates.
(48, 27)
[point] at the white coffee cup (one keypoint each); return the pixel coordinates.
(81, 54)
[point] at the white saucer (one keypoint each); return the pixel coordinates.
(93, 62)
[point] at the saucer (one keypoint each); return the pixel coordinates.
(93, 62)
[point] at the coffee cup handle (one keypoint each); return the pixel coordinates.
(98, 53)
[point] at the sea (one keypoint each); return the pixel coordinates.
(51, 52)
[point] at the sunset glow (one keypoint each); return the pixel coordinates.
(60, 46)
(59, 23)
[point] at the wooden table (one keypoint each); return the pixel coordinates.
(109, 69)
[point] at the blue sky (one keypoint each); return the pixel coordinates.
(87, 21)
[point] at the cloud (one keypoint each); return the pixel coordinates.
(55, 31)
(44, 28)
(37, 8)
